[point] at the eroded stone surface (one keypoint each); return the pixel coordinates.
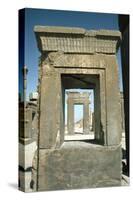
(79, 165)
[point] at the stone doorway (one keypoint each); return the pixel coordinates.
(73, 58)
(79, 112)
(85, 82)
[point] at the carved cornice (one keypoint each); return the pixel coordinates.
(76, 40)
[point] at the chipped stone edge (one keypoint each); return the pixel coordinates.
(76, 30)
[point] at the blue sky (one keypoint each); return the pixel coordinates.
(59, 18)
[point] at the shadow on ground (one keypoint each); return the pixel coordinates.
(13, 185)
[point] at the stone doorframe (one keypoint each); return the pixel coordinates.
(67, 51)
(97, 78)
(77, 98)
(91, 56)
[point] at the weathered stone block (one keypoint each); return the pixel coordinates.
(79, 165)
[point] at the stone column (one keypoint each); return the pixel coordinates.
(113, 103)
(90, 120)
(86, 118)
(97, 110)
(70, 117)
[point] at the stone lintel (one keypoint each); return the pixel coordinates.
(76, 40)
(78, 98)
(78, 95)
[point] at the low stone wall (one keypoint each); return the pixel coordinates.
(79, 165)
